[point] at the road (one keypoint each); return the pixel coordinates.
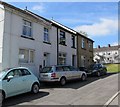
(94, 91)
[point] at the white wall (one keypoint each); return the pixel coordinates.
(67, 49)
(1, 33)
(13, 42)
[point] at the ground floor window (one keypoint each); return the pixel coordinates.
(26, 56)
(62, 59)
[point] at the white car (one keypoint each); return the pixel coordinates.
(17, 81)
(61, 73)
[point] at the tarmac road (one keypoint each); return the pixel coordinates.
(94, 91)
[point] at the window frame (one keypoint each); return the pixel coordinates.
(62, 38)
(63, 56)
(29, 26)
(46, 35)
(29, 56)
(73, 41)
(83, 43)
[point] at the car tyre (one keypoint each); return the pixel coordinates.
(35, 88)
(2, 97)
(83, 78)
(63, 81)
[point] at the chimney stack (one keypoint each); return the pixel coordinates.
(108, 45)
(98, 46)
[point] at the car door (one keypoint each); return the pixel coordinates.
(73, 72)
(67, 72)
(26, 79)
(15, 85)
(100, 68)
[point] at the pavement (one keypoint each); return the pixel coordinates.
(94, 91)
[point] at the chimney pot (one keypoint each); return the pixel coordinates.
(98, 46)
(108, 45)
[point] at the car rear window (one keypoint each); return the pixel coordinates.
(46, 70)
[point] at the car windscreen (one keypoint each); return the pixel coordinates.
(93, 66)
(46, 70)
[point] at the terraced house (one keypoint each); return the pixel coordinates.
(29, 40)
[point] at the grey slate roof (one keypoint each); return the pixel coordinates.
(111, 48)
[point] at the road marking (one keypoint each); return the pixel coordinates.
(111, 99)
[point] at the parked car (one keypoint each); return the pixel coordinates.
(96, 69)
(16, 81)
(61, 73)
(83, 69)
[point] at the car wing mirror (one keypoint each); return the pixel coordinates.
(9, 78)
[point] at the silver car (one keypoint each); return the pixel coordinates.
(61, 73)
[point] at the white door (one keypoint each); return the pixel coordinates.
(46, 61)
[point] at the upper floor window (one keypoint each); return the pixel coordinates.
(90, 45)
(46, 35)
(27, 28)
(83, 43)
(73, 41)
(62, 38)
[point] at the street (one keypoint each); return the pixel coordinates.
(94, 91)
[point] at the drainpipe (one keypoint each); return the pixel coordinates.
(57, 46)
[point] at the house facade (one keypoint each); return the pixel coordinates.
(84, 50)
(26, 39)
(109, 54)
(29, 40)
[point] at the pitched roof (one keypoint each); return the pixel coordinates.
(44, 20)
(27, 12)
(111, 48)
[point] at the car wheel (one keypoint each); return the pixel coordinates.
(83, 78)
(2, 97)
(35, 88)
(63, 81)
(98, 74)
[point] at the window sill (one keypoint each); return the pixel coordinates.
(27, 37)
(22, 63)
(47, 42)
(63, 44)
(73, 47)
(83, 48)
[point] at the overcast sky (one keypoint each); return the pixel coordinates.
(98, 19)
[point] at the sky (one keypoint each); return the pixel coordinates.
(98, 19)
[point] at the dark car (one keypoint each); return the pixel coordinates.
(96, 69)
(83, 69)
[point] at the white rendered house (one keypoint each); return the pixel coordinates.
(29, 40)
(108, 54)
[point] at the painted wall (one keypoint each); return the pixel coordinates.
(1, 32)
(13, 42)
(67, 49)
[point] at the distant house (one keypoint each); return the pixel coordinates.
(109, 54)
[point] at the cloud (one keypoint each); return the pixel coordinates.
(39, 7)
(102, 28)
